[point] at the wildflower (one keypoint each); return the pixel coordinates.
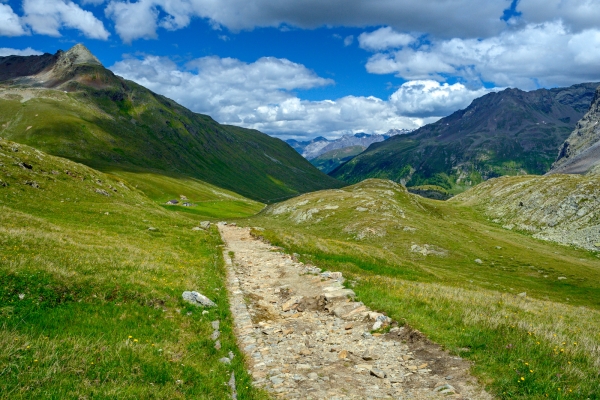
(34, 360)
(130, 337)
(135, 340)
(531, 371)
(522, 378)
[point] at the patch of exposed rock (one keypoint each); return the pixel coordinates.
(581, 151)
(558, 208)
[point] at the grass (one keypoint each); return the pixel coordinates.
(90, 299)
(369, 232)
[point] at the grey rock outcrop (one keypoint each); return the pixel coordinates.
(198, 299)
(580, 153)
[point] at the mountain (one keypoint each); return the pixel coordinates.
(332, 159)
(580, 153)
(69, 105)
(511, 132)
(311, 149)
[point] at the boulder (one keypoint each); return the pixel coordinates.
(205, 224)
(198, 299)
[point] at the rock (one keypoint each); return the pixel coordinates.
(290, 303)
(348, 326)
(3, 184)
(447, 388)
(182, 197)
(153, 229)
(102, 192)
(197, 228)
(33, 184)
(343, 354)
(478, 261)
(215, 335)
(225, 360)
(524, 294)
(561, 278)
(215, 325)
(198, 299)
(367, 355)
(377, 325)
(378, 373)
(218, 344)
(313, 376)
(205, 224)
(172, 202)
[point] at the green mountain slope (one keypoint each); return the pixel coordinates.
(90, 298)
(332, 159)
(75, 108)
(506, 133)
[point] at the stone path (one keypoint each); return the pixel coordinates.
(306, 339)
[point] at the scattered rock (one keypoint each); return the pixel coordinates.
(524, 294)
(3, 184)
(172, 202)
(24, 165)
(225, 360)
(378, 373)
(478, 261)
(215, 325)
(197, 299)
(562, 278)
(205, 224)
(33, 184)
(153, 229)
(102, 192)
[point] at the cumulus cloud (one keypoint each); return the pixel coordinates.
(10, 24)
(260, 95)
(431, 98)
(6, 51)
(534, 55)
(384, 38)
(47, 17)
(348, 40)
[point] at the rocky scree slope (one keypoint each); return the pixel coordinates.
(558, 208)
(580, 153)
(505, 133)
(69, 105)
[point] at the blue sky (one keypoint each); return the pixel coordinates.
(304, 68)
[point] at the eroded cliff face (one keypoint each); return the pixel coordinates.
(559, 208)
(580, 153)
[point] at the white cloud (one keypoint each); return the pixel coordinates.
(260, 95)
(431, 98)
(384, 38)
(6, 51)
(47, 17)
(348, 40)
(10, 24)
(529, 56)
(134, 20)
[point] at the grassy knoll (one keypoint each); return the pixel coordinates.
(90, 299)
(447, 271)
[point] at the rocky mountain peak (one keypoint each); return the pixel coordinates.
(77, 55)
(580, 153)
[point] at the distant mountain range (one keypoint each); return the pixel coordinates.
(67, 104)
(328, 154)
(511, 132)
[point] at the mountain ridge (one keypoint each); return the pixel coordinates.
(511, 132)
(73, 107)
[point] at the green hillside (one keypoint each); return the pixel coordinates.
(496, 297)
(90, 298)
(84, 112)
(506, 133)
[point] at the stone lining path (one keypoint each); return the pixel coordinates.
(306, 339)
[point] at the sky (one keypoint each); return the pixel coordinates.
(306, 68)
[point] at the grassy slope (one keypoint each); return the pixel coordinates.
(111, 124)
(506, 133)
(470, 308)
(101, 314)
